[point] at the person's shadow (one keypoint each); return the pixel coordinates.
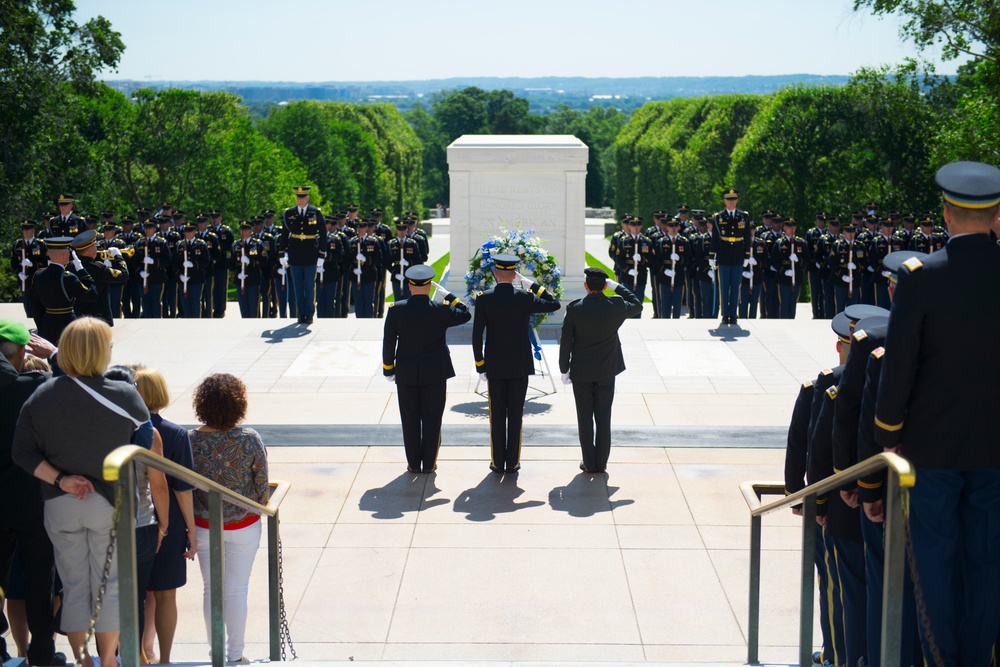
(297, 330)
(586, 495)
(409, 492)
(496, 494)
(729, 333)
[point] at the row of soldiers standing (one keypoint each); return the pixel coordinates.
(171, 267)
(677, 255)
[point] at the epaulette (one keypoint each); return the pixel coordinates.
(806, 385)
(913, 264)
(826, 371)
(878, 352)
(478, 294)
(859, 335)
(390, 304)
(831, 393)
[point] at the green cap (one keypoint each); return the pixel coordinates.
(15, 332)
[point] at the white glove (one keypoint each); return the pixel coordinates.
(184, 279)
(150, 260)
(817, 264)
(669, 273)
(107, 262)
(26, 262)
(483, 375)
(283, 260)
(747, 274)
(22, 275)
(846, 279)
(77, 264)
(634, 272)
(281, 271)
(320, 270)
(612, 284)
(319, 263)
(391, 379)
(565, 378)
(746, 262)
(793, 257)
(188, 263)
(114, 252)
(143, 274)
(789, 272)
(403, 262)
(871, 269)
(886, 274)
(399, 277)
(711, 263)
(852, 265)
(244, 259)
(360, 257)
(520, 277)
(753, 262)
(637, 257)
(675, 257)
(357, 272)
(711, 274)
(242, 276)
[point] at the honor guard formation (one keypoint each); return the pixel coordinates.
(299, 263)
(914, 305)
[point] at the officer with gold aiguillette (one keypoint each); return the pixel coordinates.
(57, 288)
(304, 240)
(731, 237)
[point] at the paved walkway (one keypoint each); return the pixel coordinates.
(647, 563)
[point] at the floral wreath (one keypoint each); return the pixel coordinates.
(535, 260)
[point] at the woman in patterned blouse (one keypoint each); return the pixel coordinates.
(234, 457)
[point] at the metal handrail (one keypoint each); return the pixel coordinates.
(900, 475)
(119, 468)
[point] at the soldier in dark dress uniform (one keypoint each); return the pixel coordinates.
(633, 253)
(731, 235)
(268, 298)
(172, 235)
(671, 256)
(220, 282)
(753, 276)
(654, 232)
(617, 265)
(814, 260)
(824, 247)
(503, 314)
(770, 301)
(331, 274)
(404, 253)
(925, 240)
(787, 256)
(155, 262)
(415, 356)
(27, 255)
(248, 261)
(346, 274)
(882, 244)
(384, 234)
(212, 243)
(107, 272)
(303, 237)
(934, 407)
(191, 262)
(845, 259)
(366, 258)
(57, 288)
(132, 291)
(67, 223)
(417, 234)
(703, 262)
(866, 234)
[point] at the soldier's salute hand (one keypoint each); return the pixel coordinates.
(611, 284)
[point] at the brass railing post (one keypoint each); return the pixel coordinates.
(892, 577)
(273, 588)
(753, 627)
(217, 562)
(808, 581)
(128, 596)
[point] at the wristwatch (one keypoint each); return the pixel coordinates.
(58, 479)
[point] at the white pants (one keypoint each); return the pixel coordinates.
(241, 548)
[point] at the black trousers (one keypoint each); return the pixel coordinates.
(37, 563)
(506, 415)
(593, 406)
(420, 410)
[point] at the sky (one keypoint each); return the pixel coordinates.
(403, 40)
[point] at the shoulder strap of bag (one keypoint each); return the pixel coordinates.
(108, 404)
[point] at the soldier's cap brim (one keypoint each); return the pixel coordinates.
(420, 275)
(969, 184)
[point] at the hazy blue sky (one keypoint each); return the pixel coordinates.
(356, 40)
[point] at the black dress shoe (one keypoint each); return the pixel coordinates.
(431, 469)
(415, 471)
(514, 469)
(309, 320)
(587, 470)
(495, 469)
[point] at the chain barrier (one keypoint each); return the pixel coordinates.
(284, 632)
(105, 573)
(918, 590)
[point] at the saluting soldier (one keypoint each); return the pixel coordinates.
(155, 262)
(633, 254)
(67, 223)
(815, 261)
(57, 288)
(249, 262)
(753, 275)
(404, 253)
(27, 256)
(933, 408)
(330, 276)
(220, 282)
(191, 263)
(732, 238)
(787, 257)
(503, 314)
(304, 244)
(415, 356)
(672, 254)
(132, 291)
(366, 258)
(107, 271)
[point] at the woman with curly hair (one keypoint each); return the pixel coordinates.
(234, 457)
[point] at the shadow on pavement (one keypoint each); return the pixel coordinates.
(290, 331)
(404, 494)
(496, 494)
(586, 495)
(481, 409)
(729, 333)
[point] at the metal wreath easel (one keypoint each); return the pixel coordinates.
(541, 369)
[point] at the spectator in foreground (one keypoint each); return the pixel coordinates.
(235, 458)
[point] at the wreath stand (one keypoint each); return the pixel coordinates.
(541, 368)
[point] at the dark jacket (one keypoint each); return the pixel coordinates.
(54, 293)
(504, 313)
(303, 236)
(413, 345)
(114, 272)
(590, 350)
(940, 358)
(20, 491)
(797, 445)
